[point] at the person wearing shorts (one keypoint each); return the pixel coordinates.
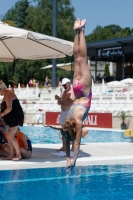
(65, 101)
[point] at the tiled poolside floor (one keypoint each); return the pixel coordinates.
(90, 154)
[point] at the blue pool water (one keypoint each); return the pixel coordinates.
(110, 182)
(43, 135)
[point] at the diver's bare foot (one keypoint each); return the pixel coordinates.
(61, 149)
(76, 24)
(82, 24)
(16, 158)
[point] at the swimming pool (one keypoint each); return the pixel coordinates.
(43, 135)
(108, 182)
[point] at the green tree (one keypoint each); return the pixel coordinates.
(9, 22)
(99, 34)
(8, 18)
(20, 13)
(17, 14)
(106, 71)
(114, 29)
(10, 14)
(39, 18)
(108, 32)
(5, 71)
(124, 32)
(15, 79)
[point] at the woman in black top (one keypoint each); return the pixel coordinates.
(13, 115)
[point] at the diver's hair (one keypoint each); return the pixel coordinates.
(2, 85)
(67, 130)
(60, 129)
(53, 127)
(69, 125)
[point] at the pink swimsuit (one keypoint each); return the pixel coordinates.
(81, 91)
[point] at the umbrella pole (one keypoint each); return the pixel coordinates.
(54, 83)
(123, 60)
(13, 67)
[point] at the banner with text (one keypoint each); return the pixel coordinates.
(99, 120)
(109, 52)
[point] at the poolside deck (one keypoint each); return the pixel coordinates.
(90, 154)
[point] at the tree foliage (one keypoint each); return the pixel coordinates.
(106, 71)
(20, 13)
(108, 32)
(9, 15)
(17, 14)
(38, 18)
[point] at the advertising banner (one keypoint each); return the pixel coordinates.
(99, 120)
(109, 52)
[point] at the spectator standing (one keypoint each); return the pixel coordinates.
(65, 101)
(13, 115)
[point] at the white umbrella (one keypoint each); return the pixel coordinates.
(16, 43)
(116, 84)
(66, 66)
(127, 80)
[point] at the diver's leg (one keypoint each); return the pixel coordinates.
(63, 148)
(76, 51)
(86, 78)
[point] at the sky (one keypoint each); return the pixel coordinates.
(97, 12)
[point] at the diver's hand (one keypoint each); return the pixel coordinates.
(70, 165)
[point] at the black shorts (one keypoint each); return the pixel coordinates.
(2, 139)
(29, 145)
